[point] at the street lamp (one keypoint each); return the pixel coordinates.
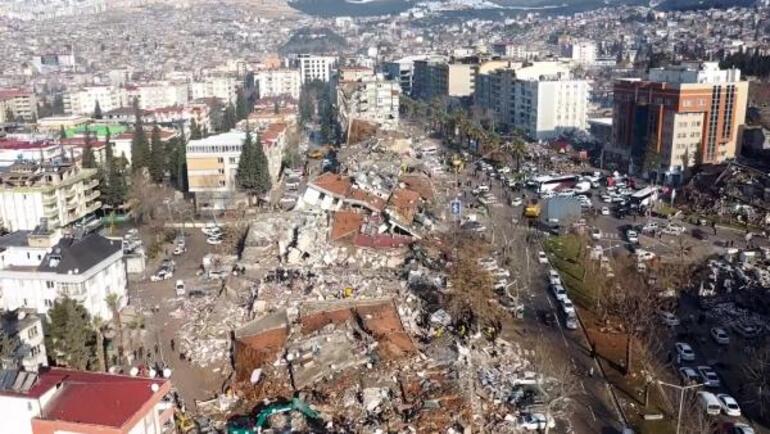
(682, 389)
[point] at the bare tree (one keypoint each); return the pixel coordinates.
(756, 389)
(559, 384)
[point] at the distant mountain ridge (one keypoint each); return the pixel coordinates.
(685, 5)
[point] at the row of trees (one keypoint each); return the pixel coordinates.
(752, 63)
(315, 102)
(253, 172)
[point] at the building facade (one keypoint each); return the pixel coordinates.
(278, 82)
(690, 112)
(312, 67)
(19, 103)
(37, 268)
(541, 99)
(59, 194)
(26, 327)
(372, 98)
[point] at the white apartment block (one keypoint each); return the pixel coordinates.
(313, 67)
(38, 268)
(372, 99)
(160, 94)
(581, 52)
(83, 101)
(224, 87)
(278, 82)
(28, 327)
(540, 98)
(61, 194)
(19, 102)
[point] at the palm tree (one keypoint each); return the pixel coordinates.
(113, 301)
(98, 324)
(518, 149)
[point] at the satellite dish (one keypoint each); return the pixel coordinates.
(154, 387)
(134, 371)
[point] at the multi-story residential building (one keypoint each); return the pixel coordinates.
(158, 94)
(354, 73)
(13, 149)
(60, 193)
(278, 82)
(54, 124)
(38, 267)
(25, 328)
(581, 52)
(692, 111)
(83, 101)
(541, 98)
(224, 87)
(514, 51)
(312, 67)
(19, 103)
(212, 164)
(176, 115)
(435, 77)
(402, 70)
(371, 98)
(66, 401)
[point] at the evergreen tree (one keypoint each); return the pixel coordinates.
(246, 177)
(306, 108)
(113, 186)
(58, 104)
(263, 170)
(181, 162)
(97, 110)
(157, 160)
(62, 133)
(195, 131)
(70, 339)
(229, 120)
(242, 108)
(276, 107)
(140, 148)
(9, 116)
(88, 160)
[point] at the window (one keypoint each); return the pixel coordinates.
(32, 332)
(25, 302)
(221, 171)
(49, 284)
(220, 160)
(48, 303)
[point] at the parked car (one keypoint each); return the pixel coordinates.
(742, 428)
(516, 201)
(709, 403)
(163, 273)
(596, 234)
(720, 335)
(605, 210)
(644, 255)
(710, 377)
(684, 351)
(179, 249)
(559, 292)
(571, 322)
(729, 405)
(180, 287)
(632, 236)
(674, 229)
(542, 257)
(214, 240)
(669, 319)
(689, 375)
(548, 318)
(211, 229)
(566, 306)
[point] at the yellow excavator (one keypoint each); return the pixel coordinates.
(457, 162)
(532, 210)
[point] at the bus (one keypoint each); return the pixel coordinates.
(645, 197)
(545, 184)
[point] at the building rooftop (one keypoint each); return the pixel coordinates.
(229, 138)
(78, 256)
(333, 183)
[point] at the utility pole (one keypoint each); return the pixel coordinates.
(682, 390)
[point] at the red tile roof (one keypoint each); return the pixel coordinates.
(97, 399)
(334, 184)
(404, 203)
(346, 223)
(24, 144)
(13, 93)
(420, 184)
(364, 198)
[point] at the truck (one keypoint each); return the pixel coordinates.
(250, 425)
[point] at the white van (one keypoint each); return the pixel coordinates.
(710, 403)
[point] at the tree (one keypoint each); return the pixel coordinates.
(9, 345)
(88, 160)
(263, 168)
(229, 118)
(181, 162)
(114, 179)
(157, 162)
(97, 110)
(62, 133)
(306, 106)
(101, 361)
(757, 380)
(70, 337)
(58, 104)
(113, 301)
(140, 148)
(195, 131)
(253, 175)
(9, 116)
(276, 107)
(242, 108)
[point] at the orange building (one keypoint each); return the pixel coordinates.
(678, 115)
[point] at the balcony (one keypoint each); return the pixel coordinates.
(50, 212)
(93, 184)
(49, 199)
(70, 193)
(93, 195)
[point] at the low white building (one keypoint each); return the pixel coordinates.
(38, 268)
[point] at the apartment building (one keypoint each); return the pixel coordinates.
(19, 103)
(540, 98)
(60, 193)
(312, 67)
(25, 327)
(224, 87)
(83, 101)
(212, 164)
(38, 267)
(436, 77)
(371, 98)
(278, 82)
(57, 400)
(154, 95)
(582, 52)
(689, 111)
